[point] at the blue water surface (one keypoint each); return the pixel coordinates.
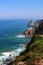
(9, 29)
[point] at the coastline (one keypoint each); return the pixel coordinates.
(33, 53)
(32, 36)
(13, 54)
(23, 63)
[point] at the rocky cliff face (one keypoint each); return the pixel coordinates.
(39, 29)
(29, 32)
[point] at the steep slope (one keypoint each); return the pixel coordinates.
(33, 55)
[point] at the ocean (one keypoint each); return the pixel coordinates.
(11, 36)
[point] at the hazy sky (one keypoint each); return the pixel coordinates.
(21, 8)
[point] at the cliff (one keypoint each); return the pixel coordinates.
(33, 55)
(39, 30)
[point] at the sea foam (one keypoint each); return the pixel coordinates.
(10, 55)
(1, 59)
(20, 36)
(6, 53)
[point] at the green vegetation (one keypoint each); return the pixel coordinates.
(33, 53)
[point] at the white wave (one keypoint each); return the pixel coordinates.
(19, 50)
(20, 36)
(2, 57)
(6, 53)
(30, 28)
(11, 55)
(15, 53)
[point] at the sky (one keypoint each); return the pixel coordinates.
(21, 9)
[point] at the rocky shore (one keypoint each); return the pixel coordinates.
(24, 58)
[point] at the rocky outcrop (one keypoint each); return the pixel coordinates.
(29, 32)
(37, 28)
(22, 63)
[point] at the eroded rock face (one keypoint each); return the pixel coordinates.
(21, 63)
(29, 32)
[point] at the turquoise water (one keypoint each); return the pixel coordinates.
(9, 31)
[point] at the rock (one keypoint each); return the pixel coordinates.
(21, 63)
